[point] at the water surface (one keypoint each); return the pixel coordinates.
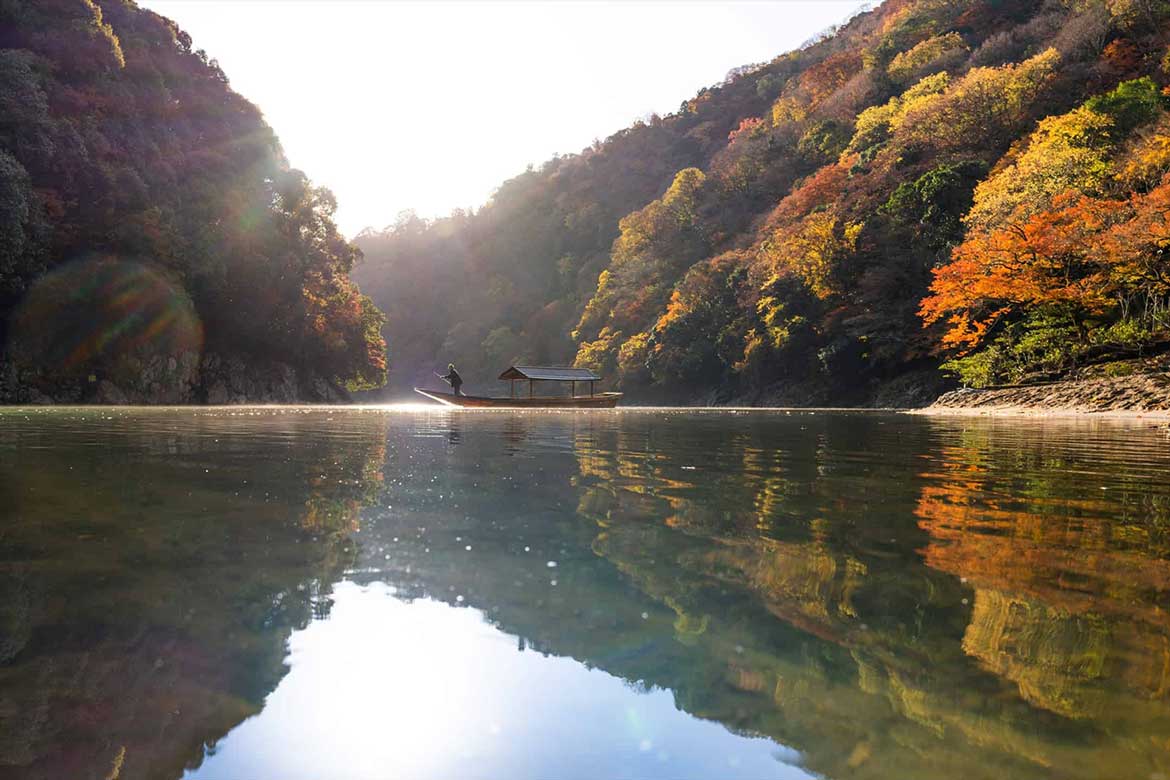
(370, 593)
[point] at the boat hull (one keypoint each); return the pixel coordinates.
(599, 401)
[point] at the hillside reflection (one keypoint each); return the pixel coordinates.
(1070, 578)
(889, 597)
(151, 571)
(881, 596)
(1025, 631)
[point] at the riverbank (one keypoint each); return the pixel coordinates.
(1145, 394)
(159, 379)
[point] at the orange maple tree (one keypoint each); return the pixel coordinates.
(1042, 259)
(1137, 250)
(1086, 255)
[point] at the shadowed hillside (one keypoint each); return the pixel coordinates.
(155, 245)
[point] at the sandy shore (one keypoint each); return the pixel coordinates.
(1144, 396)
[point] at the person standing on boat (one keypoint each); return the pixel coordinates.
(452, 378)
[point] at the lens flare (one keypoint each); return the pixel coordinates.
(95, 312)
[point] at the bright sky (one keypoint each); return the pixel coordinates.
(423, 690)
(430, 106)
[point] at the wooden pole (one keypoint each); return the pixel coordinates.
(529, 388)
(590, 388)
(573, 391)
(513, 384)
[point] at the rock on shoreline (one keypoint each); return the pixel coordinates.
(1135, 394)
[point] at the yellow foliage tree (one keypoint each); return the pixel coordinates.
(874, 124)
(813, 248)
(632, 356)
(1147, 157)
(652, 242)
(931, 51)
(788, 109)
(987, 103)
(1066, 152)
(599, 354)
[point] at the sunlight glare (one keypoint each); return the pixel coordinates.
(431, 106)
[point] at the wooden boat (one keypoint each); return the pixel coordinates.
(534, 374)
(598, 401)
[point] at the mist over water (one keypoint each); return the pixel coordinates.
(358, 593)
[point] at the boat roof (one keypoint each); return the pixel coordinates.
(550, 373)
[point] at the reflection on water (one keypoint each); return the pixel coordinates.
(434, 691)
(366, 593)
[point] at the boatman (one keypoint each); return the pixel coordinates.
(452, 378)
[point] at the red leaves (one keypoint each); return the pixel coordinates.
(745, 127)
(824, 78)
(1083, 253)
(823, 188)
(1123, 57)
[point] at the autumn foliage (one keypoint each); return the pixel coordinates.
(118, 139)
(1058, 234)
(974, 185)
(1041, 260)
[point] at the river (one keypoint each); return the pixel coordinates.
(289, 592)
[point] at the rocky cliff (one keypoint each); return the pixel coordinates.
(183, 378)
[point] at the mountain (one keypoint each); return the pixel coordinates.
(935, 190)
(155, 245)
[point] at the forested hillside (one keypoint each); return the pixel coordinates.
(155, 245)
(970, 189)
